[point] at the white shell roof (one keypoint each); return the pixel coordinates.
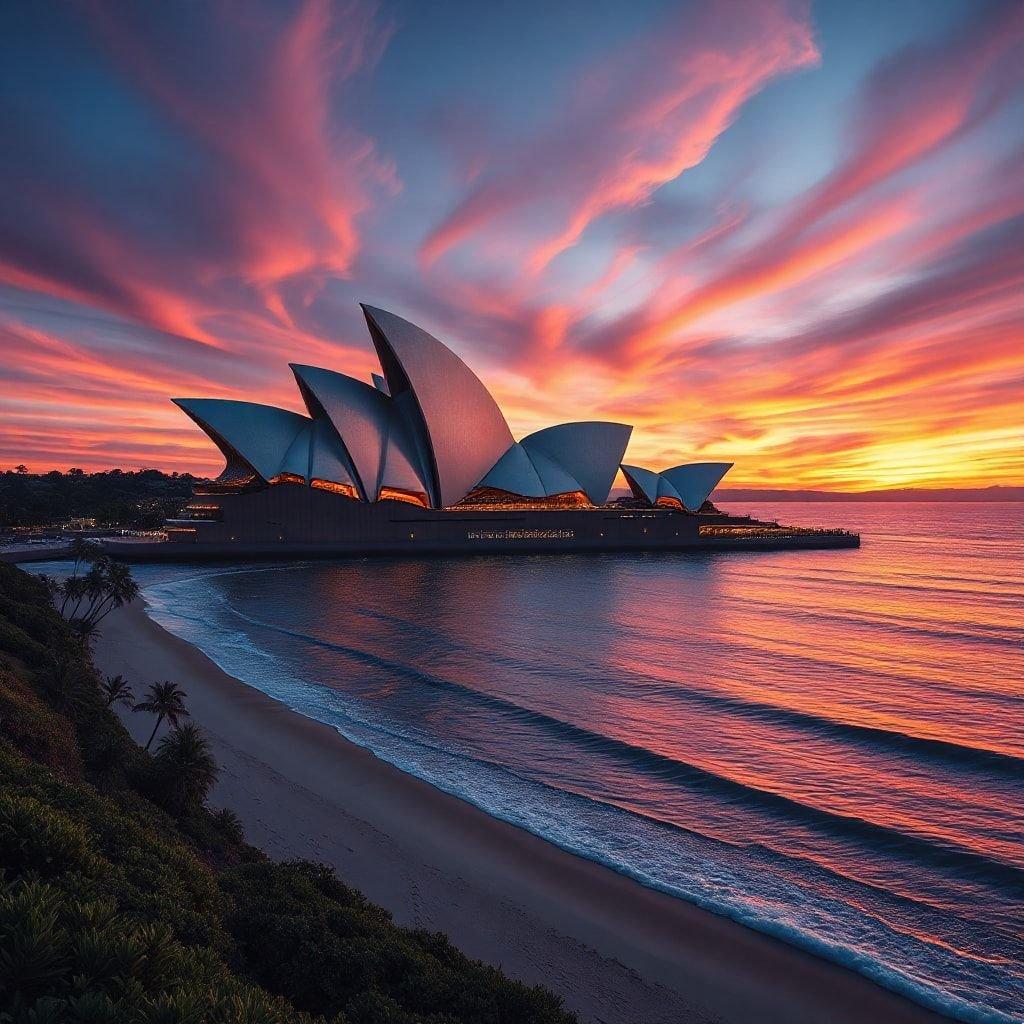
(402, 468)
(690, 484)
(465, 431)
(644, 481)
(296, 459)
(358, 412)
(328, 459)
(428, 426)
(695, 481)
(666, 490)
(530, 474)
(516, 474)
(589, 452)
(258, 434)
(555, 478)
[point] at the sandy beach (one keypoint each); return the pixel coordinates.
(618, 953)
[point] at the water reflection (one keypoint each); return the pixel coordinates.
(826, 744)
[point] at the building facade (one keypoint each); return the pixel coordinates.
(421, 459)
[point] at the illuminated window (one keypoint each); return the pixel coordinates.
(346, 490)
(666, 502)
(396, 494)
(288, 478)
(493, 498)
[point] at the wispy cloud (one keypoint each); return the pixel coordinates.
(192, 196)
(632, 123)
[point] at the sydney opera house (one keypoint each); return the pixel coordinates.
(421, 460)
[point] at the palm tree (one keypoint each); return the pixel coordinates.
(85, 630)
(91, 586)
(65, 685)
(82, 549)
(72, 589)
(117, 690)
(106, 586)
(96, 583)
(119, 588)
(187, 767)
(165, 700)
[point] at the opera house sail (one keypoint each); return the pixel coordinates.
(420, 459)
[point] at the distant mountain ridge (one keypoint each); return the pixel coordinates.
(996, 493)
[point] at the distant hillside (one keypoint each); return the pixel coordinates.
(142, 499)
(900, 494)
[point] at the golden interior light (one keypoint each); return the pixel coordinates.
(346, 490)
(397, 494)
(494, 498)
(668, 502)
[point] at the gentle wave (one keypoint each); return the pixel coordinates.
(972, 865)
(581, 699)
(941, 751)
(916, 989)
(998, 762)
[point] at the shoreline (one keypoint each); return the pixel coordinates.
(619, 953)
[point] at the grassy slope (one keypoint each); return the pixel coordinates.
(113, 908)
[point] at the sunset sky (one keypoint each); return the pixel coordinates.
(784, 235)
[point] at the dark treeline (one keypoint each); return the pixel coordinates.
(141, 500)
(124, 898)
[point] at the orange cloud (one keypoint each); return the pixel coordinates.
(866, 331)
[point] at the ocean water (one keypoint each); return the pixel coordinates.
(826, 746)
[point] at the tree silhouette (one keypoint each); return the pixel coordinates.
(95, 581)
(85, 630)
(119, 588)
(117, 690)
(186, 765)
(106, 586)
(165, 700)
(65, 684)
(72, 589)
(83, 550)
(53, 587)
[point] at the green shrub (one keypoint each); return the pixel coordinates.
(16, 643)
(33, 728)
(116, 908)
(38, 839)
(229, 825)
(185, 768)
(158, 877)
(64, 960)
(307, 936)
(34, 620)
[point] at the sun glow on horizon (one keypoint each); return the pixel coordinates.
(788, 241)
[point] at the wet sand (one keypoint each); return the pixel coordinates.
(616, 952)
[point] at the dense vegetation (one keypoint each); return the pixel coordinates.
(142, 500)
(123, 898)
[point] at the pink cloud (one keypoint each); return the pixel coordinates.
(639, 120)
(286, 176)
